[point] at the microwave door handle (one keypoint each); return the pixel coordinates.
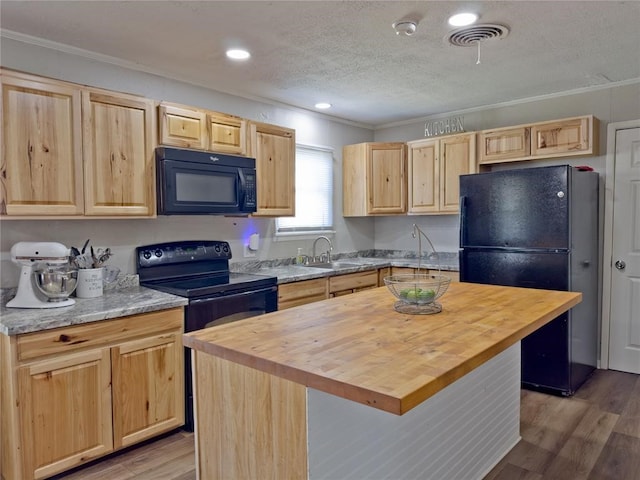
(242, 187)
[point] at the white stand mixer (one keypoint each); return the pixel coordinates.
(27, 255)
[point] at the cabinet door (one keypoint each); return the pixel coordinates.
(227, 134)
(504, 144)
(561, 137)
(182, 127)
(274, 149)
(66, 411)
(386, 178)
(458, 157)
(41, 164)
(383, 272)
(424, 176)
(118, 155)
(148, 387)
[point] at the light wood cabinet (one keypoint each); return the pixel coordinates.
(504, 144)
(572, 136)
(182, 126)
(70, 150)
(227, 133)
(80, 392)
(569, 137)
(65, 411)
(191, 127)
(435, 166)
(274, 149)
(352, 282)
(302, 292)
(118, 144)
(454, 276)
(374, 179)
(41, 165)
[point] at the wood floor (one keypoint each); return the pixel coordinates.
(594, 435)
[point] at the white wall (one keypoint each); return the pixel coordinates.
(613, 104)
(123, 235)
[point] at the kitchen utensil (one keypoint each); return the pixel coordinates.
(417, 293)
(30, 254)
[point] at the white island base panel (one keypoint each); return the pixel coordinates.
(460, 433)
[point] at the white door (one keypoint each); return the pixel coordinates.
(624, 336)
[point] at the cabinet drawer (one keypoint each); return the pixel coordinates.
(300, 293)
(350, 281)
(79, 337)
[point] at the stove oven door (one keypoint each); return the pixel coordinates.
(204, 313)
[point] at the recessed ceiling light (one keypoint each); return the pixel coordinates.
(237, 54)
(462, 19)
(323, 105)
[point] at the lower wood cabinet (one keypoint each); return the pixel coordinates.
(73, 394)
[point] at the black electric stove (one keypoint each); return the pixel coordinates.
(194, 269)
(199, 271)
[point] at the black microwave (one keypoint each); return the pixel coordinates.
(193, 182)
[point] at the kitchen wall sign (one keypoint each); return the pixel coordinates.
(444, 127)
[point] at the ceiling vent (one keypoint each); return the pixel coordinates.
(472, 35)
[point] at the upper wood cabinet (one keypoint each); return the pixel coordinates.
(435, 166)
(191, 127)
(504, 144)
(118, 145)
(227, 134)
(183, 127)
(41, 165)
(71, 151)
(274, 149)
(374, 179)
(569, 137)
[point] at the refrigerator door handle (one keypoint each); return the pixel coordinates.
(463, 220)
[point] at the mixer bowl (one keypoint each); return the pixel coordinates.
(56, 282)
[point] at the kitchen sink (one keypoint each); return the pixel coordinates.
(335, 265)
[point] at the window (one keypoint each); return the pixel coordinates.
(314, 192)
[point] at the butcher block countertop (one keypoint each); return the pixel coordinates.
(359, 348)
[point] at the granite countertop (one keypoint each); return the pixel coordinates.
(128, 298)
(113, 304)
(287, 272)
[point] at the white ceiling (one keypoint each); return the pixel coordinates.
(346, 52)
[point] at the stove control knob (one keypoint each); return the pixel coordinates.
(225, 248)
(158, 253)
(217, 249)
(146, 254)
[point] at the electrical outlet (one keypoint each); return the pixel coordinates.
(249, 253)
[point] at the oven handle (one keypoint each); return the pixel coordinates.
(200, 301)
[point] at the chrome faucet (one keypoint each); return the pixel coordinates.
(328, 252)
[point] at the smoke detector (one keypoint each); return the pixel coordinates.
(405, 27)
(472, 35)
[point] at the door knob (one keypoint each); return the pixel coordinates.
(620, 265)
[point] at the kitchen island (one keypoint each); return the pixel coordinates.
(349, 388)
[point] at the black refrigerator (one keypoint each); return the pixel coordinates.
(538, 228)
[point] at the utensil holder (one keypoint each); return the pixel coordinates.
(90, 282)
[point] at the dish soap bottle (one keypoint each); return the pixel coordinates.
(299, 257)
